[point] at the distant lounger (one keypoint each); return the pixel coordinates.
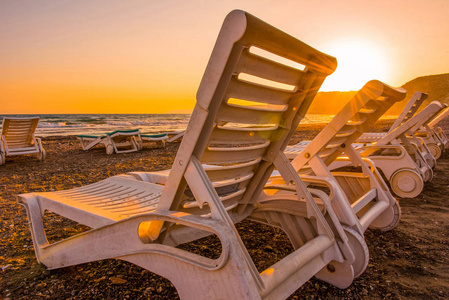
(159, 139)
(119, 141)
(434, 136)
(17, 138)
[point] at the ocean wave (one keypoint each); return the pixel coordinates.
(133, 123)
(58, 125)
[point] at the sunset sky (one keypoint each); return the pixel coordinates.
(134, 56)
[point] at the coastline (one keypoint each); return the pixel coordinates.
(407, 262)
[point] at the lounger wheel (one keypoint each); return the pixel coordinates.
(341, 274)
(360, 249)
(389, 219)
(406, 183)
(434, 150)
(109, 149)
(41, 155)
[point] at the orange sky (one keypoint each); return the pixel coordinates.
(135, 56)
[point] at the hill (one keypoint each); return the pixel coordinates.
(437, 86)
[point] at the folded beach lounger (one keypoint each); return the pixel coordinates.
(17, 138)
(118, 141)
(407, 112)
(159, 139)
(360, 197)
(433, 136)
(241, 142)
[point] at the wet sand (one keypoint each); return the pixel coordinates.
(409, 262)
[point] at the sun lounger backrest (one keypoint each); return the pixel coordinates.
(443, 114)
(241, 122)
(19, 132)
(358, 115)
(415, 122)
(410, 109)
(424, 122)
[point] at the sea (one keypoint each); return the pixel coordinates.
(95, 124)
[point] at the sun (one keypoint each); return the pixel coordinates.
(359, 61)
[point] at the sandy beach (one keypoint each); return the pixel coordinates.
(409, 262)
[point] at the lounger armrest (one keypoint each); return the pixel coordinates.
(370, 149)
(158, 177)
(108, 242)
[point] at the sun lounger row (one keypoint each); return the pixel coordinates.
(407, 153)
(231, 166)
(121, 141)
(17, 138)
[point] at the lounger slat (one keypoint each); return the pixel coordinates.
(252, 92)
(346, 132)
(216, 173)
(87, 189)
(121, 196)
(78, 197)
(144, 201)
(254, 64)
(101, 194)
(230, 136)
(139, 198)
(232, 155)
(233, 114)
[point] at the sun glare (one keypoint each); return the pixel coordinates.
(358, 62)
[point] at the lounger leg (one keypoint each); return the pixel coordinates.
(110, 146)
(2, 154)
(138, 142)
(160, 144)
(35, 215)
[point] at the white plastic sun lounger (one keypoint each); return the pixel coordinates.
(159, 139)
(433, 136)
(360, 199)
(17, 138)
(118, 141)
(434, 125)
(142, 222)
(409, 110)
